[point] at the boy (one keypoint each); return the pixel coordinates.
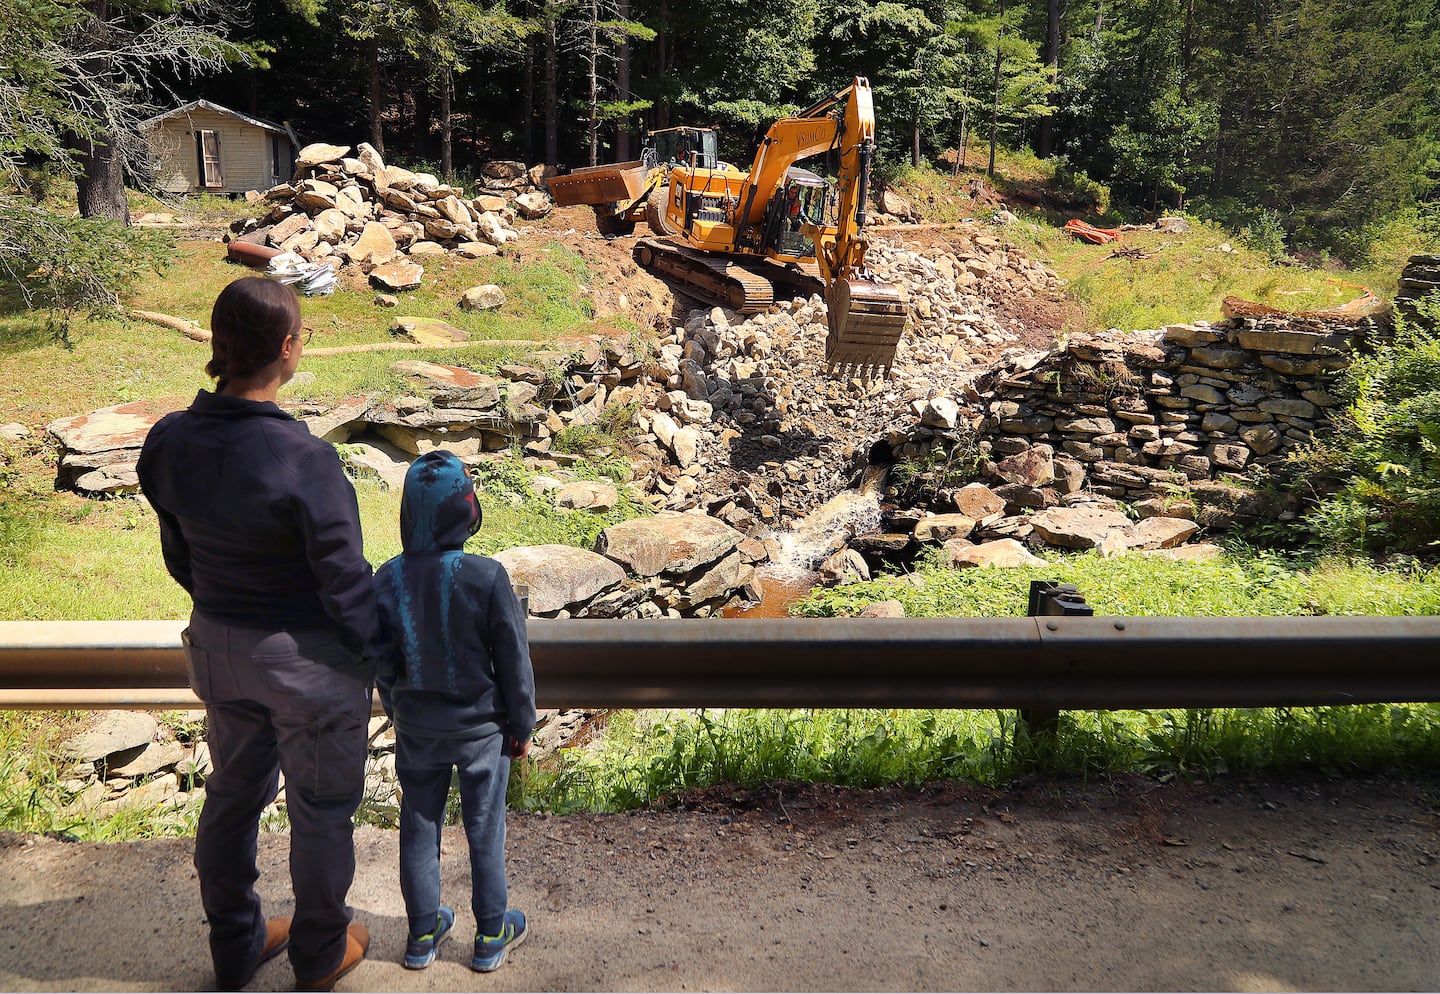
(456, 680)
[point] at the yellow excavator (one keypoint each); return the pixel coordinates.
(733, 237)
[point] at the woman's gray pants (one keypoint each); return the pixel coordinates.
(299, 702)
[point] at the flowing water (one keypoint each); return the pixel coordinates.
(791, 573)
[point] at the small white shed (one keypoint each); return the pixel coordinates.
(205, 148)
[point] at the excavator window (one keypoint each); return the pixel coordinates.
(696, 148)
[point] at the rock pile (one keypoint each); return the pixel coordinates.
(950, 292)
(1419, 279)
(340, 210)
(129, 761)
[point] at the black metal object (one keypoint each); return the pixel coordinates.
(1055, 662)
(1049, 598)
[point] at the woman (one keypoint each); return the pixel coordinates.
(259, 523)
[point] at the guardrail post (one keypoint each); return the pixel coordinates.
(1049, 598)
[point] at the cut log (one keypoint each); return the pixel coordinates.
(185, 326)
(411, 346)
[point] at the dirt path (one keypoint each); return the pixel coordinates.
(1305, 885)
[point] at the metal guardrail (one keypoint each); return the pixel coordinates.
(1032, 663)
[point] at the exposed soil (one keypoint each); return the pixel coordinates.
(1307, 884)
(620, 286)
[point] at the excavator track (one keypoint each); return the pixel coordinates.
(716, 278)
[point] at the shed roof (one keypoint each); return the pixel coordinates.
(207, 105)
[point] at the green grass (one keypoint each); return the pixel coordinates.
(1184, 277)
(646, 758)
(1238, 585)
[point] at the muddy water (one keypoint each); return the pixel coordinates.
(778, 592)
(790, 576)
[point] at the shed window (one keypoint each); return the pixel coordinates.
(207, 148)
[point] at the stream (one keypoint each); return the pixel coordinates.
(792, 572)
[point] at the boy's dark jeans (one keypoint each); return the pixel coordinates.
(423, 766)
(297, 702)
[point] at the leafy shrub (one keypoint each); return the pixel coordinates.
(1385, 450)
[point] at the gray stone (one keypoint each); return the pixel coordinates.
(1228, 456)
(1033, 425)
(844, 567)
(1161, 532)
(1190, 336)
(1262, 439)
(1069, 475)
(940, 412)
(559, 575)
(1218, 422)
(943, 527)
(379, 460)
(587, 495)
(340, 422)
(1290, 408)
(148, 759)
(1199, 553)
(883, 609)
(1001, 553)
(1032, 468)
(1203, 393)
(1219, 358)
(109, 733)
(667, 543)
(1077, 527)
(1085, 426)
(400, 274)
(449, 386)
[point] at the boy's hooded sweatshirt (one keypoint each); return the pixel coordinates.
(458, 662)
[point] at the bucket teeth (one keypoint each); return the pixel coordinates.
(866, 321)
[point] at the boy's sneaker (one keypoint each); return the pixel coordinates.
(490, 949)
(420, 950)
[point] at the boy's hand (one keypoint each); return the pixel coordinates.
(517, 748)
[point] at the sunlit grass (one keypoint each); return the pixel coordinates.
(647, 757)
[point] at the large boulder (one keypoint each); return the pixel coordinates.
(111, 732)
(559, 575)
(667, 543)
(98, 450)
(448, 386)
(1003, 552)
(320, 153)
(1078, 527)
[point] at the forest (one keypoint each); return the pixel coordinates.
(1315, 119)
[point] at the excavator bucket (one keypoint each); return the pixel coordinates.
(866, 320)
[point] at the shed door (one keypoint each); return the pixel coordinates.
(207, 147)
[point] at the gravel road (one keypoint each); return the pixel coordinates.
(1306, 884)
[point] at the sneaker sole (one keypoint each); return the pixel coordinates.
(490, 966)
(415, 964)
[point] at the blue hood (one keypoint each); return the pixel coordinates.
(438, 511)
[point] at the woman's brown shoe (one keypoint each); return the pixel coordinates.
(277, 940)
(357, 943)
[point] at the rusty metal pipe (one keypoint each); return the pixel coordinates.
(1044, 662)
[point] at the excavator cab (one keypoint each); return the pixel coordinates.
(803, 202)
(695, 148)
